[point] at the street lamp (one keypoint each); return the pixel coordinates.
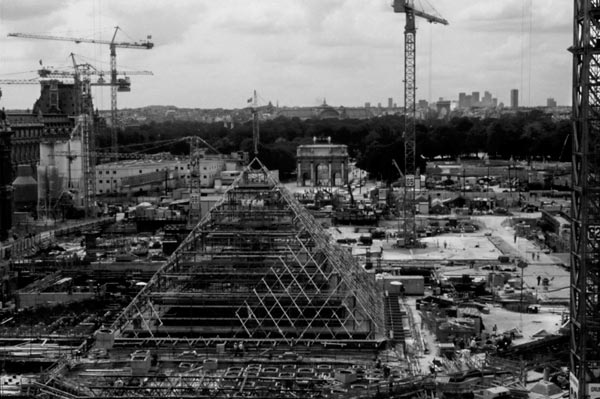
(521, 265)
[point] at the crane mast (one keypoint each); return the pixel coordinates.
(255, 124)
(114, 125)
(410, 33)
(585, 202)
(410, 87)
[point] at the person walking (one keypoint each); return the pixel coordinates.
(539, 278)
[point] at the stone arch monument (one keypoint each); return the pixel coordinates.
(322, 164)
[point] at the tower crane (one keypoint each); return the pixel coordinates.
(114, 84)
(82, 77)
(255, 124)
(410, 170)
(585, 203)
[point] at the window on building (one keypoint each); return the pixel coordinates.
(140, 171)
(100, 191)
(100, 181)
(99, 172)
(114, 172)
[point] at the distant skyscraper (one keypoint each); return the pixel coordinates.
(367, 105)
(551, 103)
(487, 99)
(475, 99)
(514, 98)
(390, 103)
(462, 100)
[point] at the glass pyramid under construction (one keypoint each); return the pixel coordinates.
(259, 267)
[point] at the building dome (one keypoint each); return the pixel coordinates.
(326, 111)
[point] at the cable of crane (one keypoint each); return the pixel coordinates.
(523, 7)
(261, 100)
(155, 147)
(430, 66)
(205, 142)
(435, 12)
(17, 73)
(143, 144)
(530, 52)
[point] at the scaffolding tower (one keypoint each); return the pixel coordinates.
(258, 266)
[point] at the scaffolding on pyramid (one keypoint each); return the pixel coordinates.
(257, 266)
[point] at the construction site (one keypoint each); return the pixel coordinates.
(205, 276)
(261, 300)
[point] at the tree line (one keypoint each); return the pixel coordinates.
(373, 143)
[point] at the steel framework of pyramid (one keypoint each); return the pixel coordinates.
(257, 266)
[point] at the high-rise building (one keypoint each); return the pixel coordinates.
(462, 100)
(514, 98)
(475, 99)
(551, 103)
(390, 103)
(367, 105)
(487, 99)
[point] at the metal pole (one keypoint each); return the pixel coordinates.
(522, 265)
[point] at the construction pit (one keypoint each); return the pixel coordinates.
(261, 301)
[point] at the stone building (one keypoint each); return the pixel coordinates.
(323, 164)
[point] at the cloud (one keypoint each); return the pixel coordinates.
(213, 53)
(20, 10)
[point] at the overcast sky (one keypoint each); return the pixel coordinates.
(211, 53)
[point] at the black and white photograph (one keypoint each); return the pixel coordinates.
(325, 199)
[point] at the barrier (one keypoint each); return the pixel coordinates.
(21, 246)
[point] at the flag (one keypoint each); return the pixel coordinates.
(249, 100)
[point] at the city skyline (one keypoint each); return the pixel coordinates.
(211, 55)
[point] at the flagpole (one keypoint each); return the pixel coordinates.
(255, 130)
